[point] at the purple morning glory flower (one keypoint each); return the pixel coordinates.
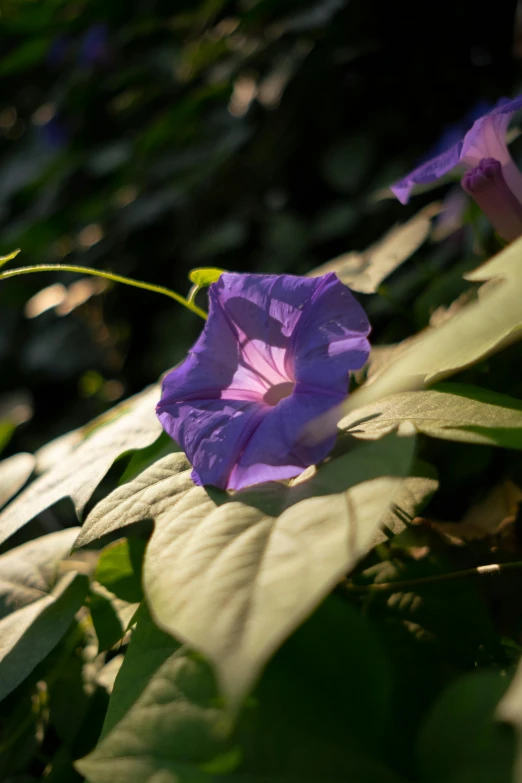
(491, 177)
(275, 353)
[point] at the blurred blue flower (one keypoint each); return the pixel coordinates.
(58, 51)
(94, 47)
(53, 134)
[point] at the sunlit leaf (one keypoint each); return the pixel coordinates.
(147, 496)
(479, 329)
(131, 425)
(365, 271)
(452, 412)
(29, 634)
(205, 276)
(235, 579)
(224, 597)
(57, 450)
(30, 571)
(14, 472)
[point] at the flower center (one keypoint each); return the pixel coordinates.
(278, 392)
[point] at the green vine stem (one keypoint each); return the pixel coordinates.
(491, 569)
(85, 270)
(9, 257)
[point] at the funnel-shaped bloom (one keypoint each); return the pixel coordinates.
(275, 354)
(491, 178)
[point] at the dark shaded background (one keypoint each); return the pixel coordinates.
(152, 137)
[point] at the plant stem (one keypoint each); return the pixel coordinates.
(158, 289)
(9, 257)
(493, 568)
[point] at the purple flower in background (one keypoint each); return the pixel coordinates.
(275, 354)
(94, 47)
(491, 177)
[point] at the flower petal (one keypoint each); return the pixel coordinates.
(508, 105)
(331, 338)
(212, 369)
(428, 172)
(487, 139)
(212, 433)
(278, 449)
(263, 311)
